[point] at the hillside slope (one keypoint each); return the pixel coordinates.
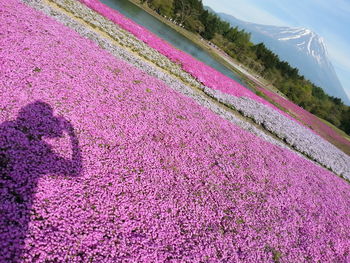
(301, 47)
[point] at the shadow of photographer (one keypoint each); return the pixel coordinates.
(24, 158)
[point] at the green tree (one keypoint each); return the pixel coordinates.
(185, 9)
(162, 7)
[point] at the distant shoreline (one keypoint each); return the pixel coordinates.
(217, 54)
(255, 82)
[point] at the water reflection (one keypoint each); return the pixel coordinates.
(167, 33)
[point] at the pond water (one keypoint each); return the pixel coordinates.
(165, 32)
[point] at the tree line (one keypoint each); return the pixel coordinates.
(192, 15)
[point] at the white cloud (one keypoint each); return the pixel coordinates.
(247, 12)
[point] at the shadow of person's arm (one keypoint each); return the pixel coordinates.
(68, 167)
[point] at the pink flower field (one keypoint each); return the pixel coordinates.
(307, 118)
(202, 72)
(100, 162)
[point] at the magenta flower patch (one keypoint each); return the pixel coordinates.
(202, 72)
(306, 117)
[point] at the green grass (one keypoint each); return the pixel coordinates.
(195, 38)
(342, 133)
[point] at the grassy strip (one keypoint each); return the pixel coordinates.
(196, 39)
(100, 30)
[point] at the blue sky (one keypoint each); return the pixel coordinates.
(328, 18)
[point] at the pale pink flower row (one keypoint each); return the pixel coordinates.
(202, 72)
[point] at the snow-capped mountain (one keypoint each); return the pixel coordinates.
(302, 38)
(301, 48)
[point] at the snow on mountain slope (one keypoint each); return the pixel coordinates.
(301, 48)
(302, 38)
